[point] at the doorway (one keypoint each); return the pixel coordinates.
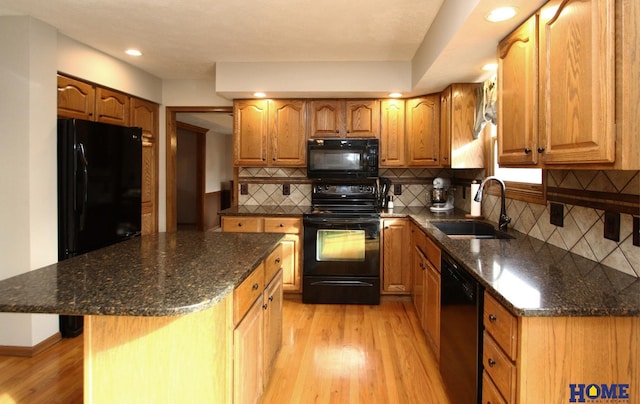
(208, 181)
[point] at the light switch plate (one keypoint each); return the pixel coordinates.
(397, 189)
(556, 214)
(636, 231)
(612, 226)
(286, 189)
(244, 189)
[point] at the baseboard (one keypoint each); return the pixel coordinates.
(30, 351)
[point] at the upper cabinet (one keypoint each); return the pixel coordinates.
(423, 131)
(517, 96)
(577, 88)
(585, 72)
(392, 135)
(78, 99)
(344, 118)
(460, 146)
(269, 133)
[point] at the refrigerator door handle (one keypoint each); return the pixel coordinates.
(85, 182)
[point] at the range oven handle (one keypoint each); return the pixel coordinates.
(339, 221)
(342, 283)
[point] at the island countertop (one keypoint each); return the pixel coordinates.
(165, 274)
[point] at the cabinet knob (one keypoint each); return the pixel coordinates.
(337, 130)
(435, 159)
(270, 298)
(492, 318)
(263, 159)
(274, 159)
(446, 158)
(540, 149)
(264, 306)
(239, 224)
(281, 224)
(491, 362)
(255, 286)
(527, 150)
(278, 260)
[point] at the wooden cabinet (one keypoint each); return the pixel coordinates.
(396, 256)
(338, 118)
(257, 336)
(76, 99)
(83, 100)
(518, 96)
(426, 284)
(269, 133)
(423, 131)
(291, 243)
(577, 87)
(392, 136)
(458, 146)
(144, 114)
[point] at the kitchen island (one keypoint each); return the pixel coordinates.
(158, 312)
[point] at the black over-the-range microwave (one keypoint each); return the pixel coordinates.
(342, 158)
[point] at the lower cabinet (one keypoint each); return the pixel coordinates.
(396, 256)
(257, 336)
(425, 291)
(292, 242)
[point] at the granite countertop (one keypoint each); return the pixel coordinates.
(267, 210)
(534, 278)
(528, 276)
(165, 274)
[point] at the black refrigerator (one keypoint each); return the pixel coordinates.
(99, 191)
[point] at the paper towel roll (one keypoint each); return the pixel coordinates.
(475, 206)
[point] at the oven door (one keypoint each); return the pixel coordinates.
(341, 246)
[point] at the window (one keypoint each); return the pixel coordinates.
(525, 184)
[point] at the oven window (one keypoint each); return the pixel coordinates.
(335, 160)
(340, 245)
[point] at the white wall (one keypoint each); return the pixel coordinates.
(219, 164)
(28, 209)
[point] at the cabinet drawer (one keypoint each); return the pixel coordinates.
(420, 239)
(282, 225)
(498, 366)
(502, 325)
(241, 224)
(433, 253)
(273, 263)
(247, 293)
(490, 393)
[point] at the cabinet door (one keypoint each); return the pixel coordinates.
(392, 138)
(144, 114)
(248, 356)
(577, 59)
(112, 107)
(76, 99)
(418, 286)
(250, 128)
(518, 95)
(272, 307)
(396, 271)
(445, 126)
(362, 118)
(432, 309)
(423, 131)
(291, 264)
(287, 133)
(326, 118)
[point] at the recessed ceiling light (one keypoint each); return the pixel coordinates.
(133, 52)
(259, 95)
(395, 95)
(501, 14)
(490, 67)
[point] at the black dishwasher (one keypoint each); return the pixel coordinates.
(461, 300)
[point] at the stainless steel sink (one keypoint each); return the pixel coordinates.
(471, 229)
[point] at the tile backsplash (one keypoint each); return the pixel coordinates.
(582, 232)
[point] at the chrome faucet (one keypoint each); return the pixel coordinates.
(504, 219)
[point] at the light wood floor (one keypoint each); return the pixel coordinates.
(330, 354)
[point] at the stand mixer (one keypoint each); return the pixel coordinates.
(441, 198)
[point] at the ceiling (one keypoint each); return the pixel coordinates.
(444, 41)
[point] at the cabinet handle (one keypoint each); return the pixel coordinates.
(270, 298)
(540, 149)
(492, 318)
(264, 306)
(527, 150)
(278, 260)
(491, 362)
(255, 286)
